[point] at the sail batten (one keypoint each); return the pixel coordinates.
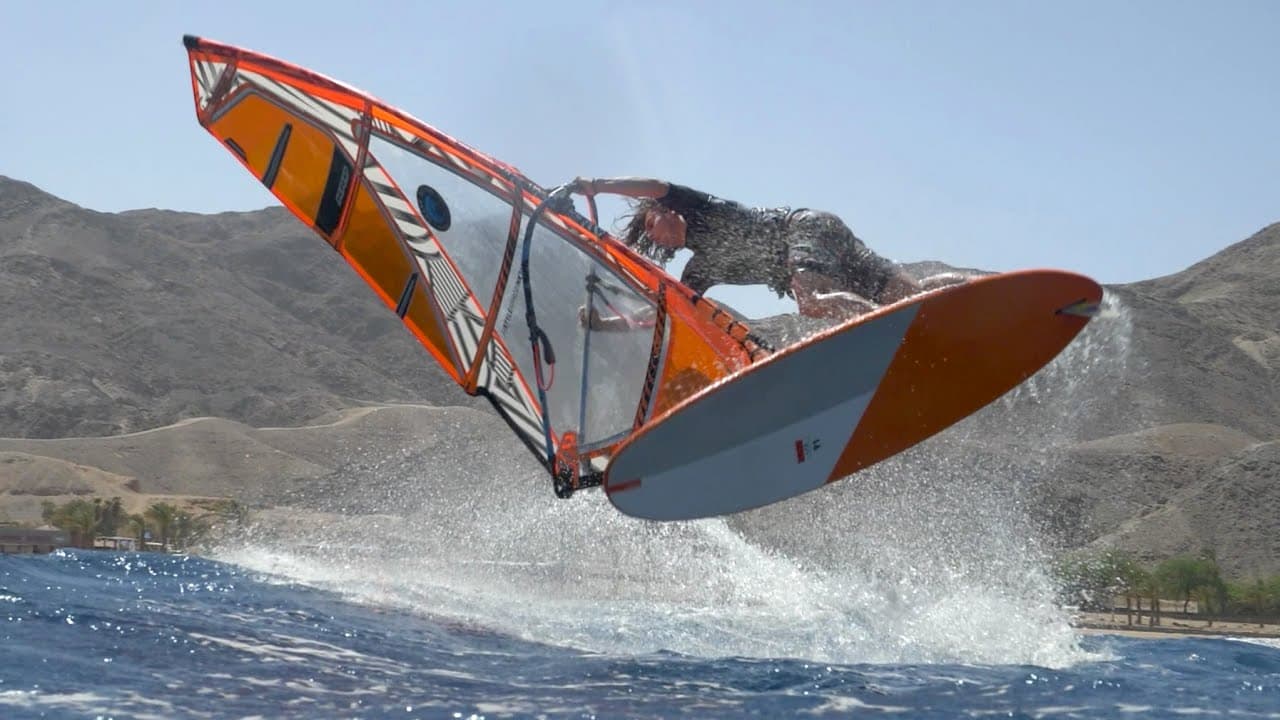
(434, 227)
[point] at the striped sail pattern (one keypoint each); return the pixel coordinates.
(434, 226)
(218, 81)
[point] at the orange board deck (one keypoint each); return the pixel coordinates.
(848, 397)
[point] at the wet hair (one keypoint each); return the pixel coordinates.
(634, 236)
(695, 207)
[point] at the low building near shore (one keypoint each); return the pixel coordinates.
(28, 541)
(123, 544)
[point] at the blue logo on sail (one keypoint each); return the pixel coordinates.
(433, 208)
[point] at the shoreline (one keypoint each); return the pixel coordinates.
(1090, 623)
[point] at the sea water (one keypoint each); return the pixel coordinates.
(920, 588)
(90, 634)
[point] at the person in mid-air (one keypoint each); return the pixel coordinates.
(808, 254)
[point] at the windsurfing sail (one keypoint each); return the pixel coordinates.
(495, 277)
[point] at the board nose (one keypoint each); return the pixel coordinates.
(966, 348)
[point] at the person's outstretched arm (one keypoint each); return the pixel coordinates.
(635, 187)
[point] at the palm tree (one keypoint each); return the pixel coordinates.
(1211, 598)
(1182, 575)
(1097, 581)
(162, 515)
(80, 518)
(231, 511)
(111, 516)
(1124, 577)
(1135, 579)
(187, 529)
(1149, 587)
(1256, 598)
(137, 525)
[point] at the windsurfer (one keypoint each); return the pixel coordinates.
(807, 254)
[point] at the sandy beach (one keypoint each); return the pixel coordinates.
(1106, 623)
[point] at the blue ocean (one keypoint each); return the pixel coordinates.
(407, 587)
(98, 635)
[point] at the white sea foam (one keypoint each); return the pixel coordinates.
(929, 557)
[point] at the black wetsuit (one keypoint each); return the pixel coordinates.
(737, 245)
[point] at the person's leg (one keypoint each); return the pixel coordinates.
(933, 282)
(823, 244)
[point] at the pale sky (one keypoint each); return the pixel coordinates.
(1124, 140)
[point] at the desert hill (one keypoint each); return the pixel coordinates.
(165, 353)
(122, 322)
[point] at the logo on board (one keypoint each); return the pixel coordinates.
(807, 447)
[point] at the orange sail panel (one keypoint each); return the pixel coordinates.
(441, 233)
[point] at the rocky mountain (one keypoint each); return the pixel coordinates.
(235, 354)
(122, 322)
(1182, 455)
